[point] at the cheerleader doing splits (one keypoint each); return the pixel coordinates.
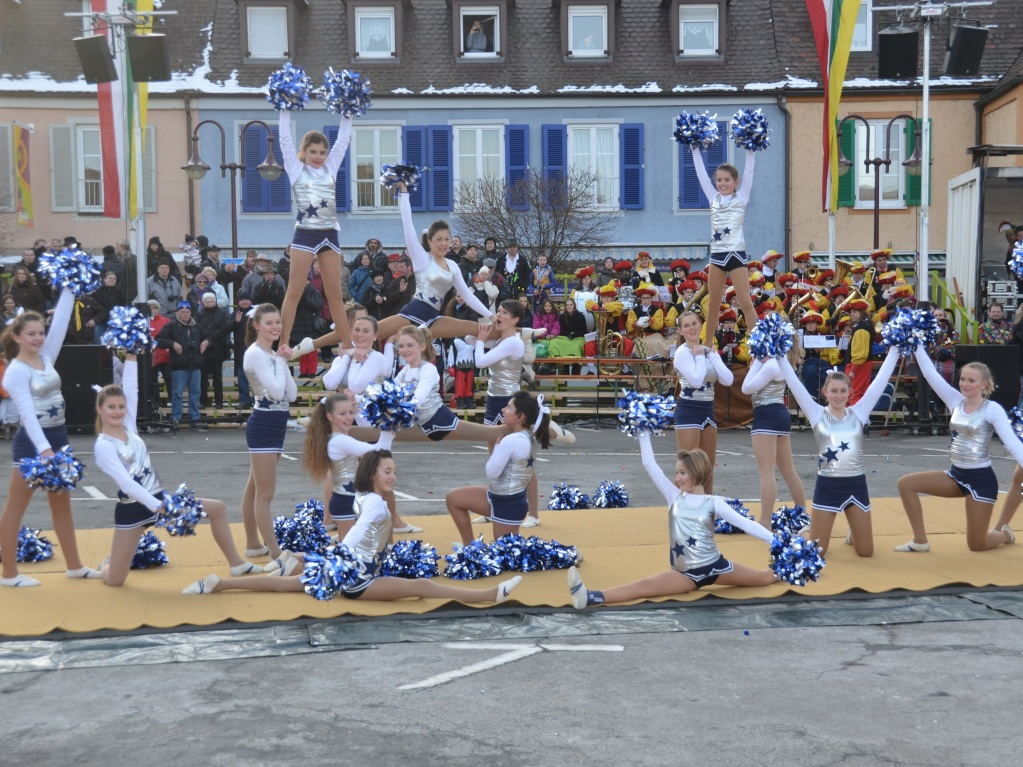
(35, 389)
(330, 451)
(695, 559)
(368, 539)
(974, 421)
(838, 428)
(123, 456)
(272, 389)
(728, 201)
(509, 471)
(313, 172)
(698, 367)
(772, 428)
(435, 277)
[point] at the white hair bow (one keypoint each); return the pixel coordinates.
(543, 411)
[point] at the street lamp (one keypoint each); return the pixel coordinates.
(196, 169)
(913, 164)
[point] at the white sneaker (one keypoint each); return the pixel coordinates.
(530, 522)
(305, 346)
(262, 551)
(506, 588)
(1012, 535)
(848, 539)
(561, 435)
(481, 521)
(279, 563)
(205, 586)
(407, 529)
(246, 568)
(84, 573)
(19, 581)
(576, 589)
(913, 546)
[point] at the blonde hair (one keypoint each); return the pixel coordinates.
(796, 353)
(835, 375)
(985, 374)
(10, 344)
(697, 465)
(107, 392)
(686, 313)
(315, 461)
(422, 336)
(210, 272)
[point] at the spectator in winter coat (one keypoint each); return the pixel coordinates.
(252, 280)
(156, 254)
(547, 317)
(310, 304)
(457, 251)
(127, 280)
(247, 267)
(159, 359)
(402, 288)
(238, 327)
(484, 289)
(222, 273)
(81, 327)
(214, 324)
(374, 297)
(215, 287)
(469, 264)
(186, 342)
(164, 288)
(26, 292)
(271, 290)
(108, 296)
(362, 275)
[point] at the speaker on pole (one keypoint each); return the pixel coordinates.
(898, 53)
(96, 59)
(79, 367)
(150, 58)
(1003, 361)
(965, 50)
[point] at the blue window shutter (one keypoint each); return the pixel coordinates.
(690, 195)
(555, 165)
(413, 139)
(342, 193)
(438, 146)
(254, 198)
(847, 183)
(631, 173)
(516, 170)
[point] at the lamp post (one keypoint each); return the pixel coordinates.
(913, 164)
(195, 168)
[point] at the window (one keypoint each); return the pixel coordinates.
(89, 162)
(863, 32)
(587, 30)
(374, 33)
(893, 180)
(593, 152)
(479, 153)
(480, 30)
(267, 28)
(373, 148)
(258, 194)
(698, 30)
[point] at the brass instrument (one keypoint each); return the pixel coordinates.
(868, 280)
(700, 294)
(853, 295)
(842, 269)
(798, 310)
(610, 343)
(813, 273)
(757, 295)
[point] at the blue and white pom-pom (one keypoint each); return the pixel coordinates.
(304, 531)
(71, 268)
(60, 472)
(289, 88)
(390, 175)
(410, 559)
(771, 337)
(128, 329)
(640, 413)
(1016, 262)
(696, 131)
(33, 547)
(151, 552)
(610, 495)
(722, 527)
(789, 520)
(389, 406)
(1016, 419)
(470, 562)
(749, 130)
(181, 512)
(344, 93)
(568, 497)
(796, 560)
(908, 328)
(538, 554)
(326, 574)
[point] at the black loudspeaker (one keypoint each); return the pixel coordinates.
(1004, 364)
(965, 49)
(898, 53)
(80, 367)
(97, 61)
(150, 58)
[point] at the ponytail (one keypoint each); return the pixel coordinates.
(422, 336)
(315, 461)
(428, 235)
(7, 338)
(527, 404)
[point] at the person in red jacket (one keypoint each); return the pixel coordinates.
(159, 363)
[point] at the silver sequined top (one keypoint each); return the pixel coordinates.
(726, 219)
(426, 379)
(772, 394)
(134, 455)
(505, 375)
(45, 387)
(691, 527)
(374, 532)
(315, 199)
(839, 445)
(433, 283)
(517, 472)
(342, 473)
(971, 437)
(265, 370)
(704, 393)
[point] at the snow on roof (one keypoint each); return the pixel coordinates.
(789, 82)
(701, 88)
(620, 88)
(476, 88)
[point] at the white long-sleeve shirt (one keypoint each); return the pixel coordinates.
(378, 365)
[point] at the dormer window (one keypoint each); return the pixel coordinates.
(587, 29)
(268, 28)
(374, 29)
(697, 28)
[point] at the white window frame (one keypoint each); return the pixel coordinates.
(82, 185)
(581, 11)
(863, 33)
(684, 10)
(456, 139)
(374, 12)
(877, 149)
(612, 194)
(494, 38)
(270, 22)
(383, 199)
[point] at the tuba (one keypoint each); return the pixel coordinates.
(610, 343)
(842, 269)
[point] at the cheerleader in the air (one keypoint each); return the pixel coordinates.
(838, 428)
(368, 539)
(695, 559)
(123, 456)
(975, 419)
(35, 389)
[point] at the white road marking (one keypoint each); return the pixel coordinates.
(288, 457)
(512, 652)
(405, 496)
(94, 493)
(479, 447)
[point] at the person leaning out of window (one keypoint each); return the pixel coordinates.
(476, 40)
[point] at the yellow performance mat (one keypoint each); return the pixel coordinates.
(619, 545)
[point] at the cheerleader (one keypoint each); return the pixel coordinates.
(313, 172)
(435, 276)
(329, 451)
(35, 389)
(974, 421)
(509, 470)
(695, 559)
(698, 367)
(368, 540)
(728, 201)
(838, 428)
(772, 427)
(504, 360)
(273, 389)
(123, 456)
